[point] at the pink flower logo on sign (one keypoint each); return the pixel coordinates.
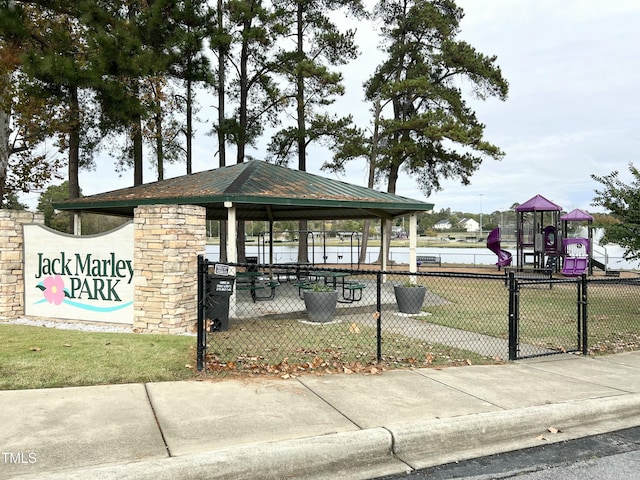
(54, 289)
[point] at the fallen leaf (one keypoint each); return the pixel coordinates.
(554, 430)
(286, 376)
(35, 349)
(354, 328)
(66, 345)
(541, 438)
(188, 366)
(317, 362)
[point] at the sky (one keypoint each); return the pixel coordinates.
(573, 109)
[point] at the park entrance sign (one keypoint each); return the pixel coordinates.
(87, 278)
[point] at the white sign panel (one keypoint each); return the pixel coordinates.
(79, 278)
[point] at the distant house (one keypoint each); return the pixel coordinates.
(469, 224)
(442, 225)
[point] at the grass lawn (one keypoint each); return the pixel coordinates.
(40, 357)
(548, 317)
(290, 346)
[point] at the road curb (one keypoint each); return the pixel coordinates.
(379, 451)
(437, 442)
(347, 455)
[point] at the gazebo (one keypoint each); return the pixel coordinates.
(260, 191)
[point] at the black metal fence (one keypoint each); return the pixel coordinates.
(266, 322)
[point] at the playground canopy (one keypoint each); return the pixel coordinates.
(538, 204)
(576, 215)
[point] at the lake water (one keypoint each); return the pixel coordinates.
(349, 256)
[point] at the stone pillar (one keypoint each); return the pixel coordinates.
(167, 241)
(12, 260)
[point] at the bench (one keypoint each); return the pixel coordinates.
(428, 260)
(253, 288)
(352, 291)
(302, 285)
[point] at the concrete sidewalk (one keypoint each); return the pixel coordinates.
(351, 426)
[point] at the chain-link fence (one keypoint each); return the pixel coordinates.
(549, 316)
(613, 314)
(291, 318)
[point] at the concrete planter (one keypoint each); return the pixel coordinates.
(321, 306)
(409, 299)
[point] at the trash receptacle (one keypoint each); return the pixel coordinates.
(218, 293)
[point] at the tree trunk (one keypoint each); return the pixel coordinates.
(159, 134)
(373, 156)
(136, 137)
(221, 123)
(189, 134)
(393, 180)
(4, 152)
(303, 244)
(74, 148)
(242, 130)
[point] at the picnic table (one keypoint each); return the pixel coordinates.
(255, 284)
(351, 290)
(331, 277)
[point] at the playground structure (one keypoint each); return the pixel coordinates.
(493, 244)
(542, 242)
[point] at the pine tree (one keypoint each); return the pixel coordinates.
(52, 68)
(427, 127)
(429, 117)
(306, 69)
(193, 67)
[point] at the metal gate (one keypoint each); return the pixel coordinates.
(547, 317)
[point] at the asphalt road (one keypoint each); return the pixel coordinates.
(614, 456)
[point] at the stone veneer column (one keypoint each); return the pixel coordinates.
(12, 260)
(167, 241)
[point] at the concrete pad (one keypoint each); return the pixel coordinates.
(516, 386)
(345, 455)
(394, 397)
(436, 442)
(198, 416)
(618, 376)
(67, 428)
(631, 359)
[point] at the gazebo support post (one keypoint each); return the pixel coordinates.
(232, 228)
(77, 224)
(232, 250)
(413, 244)
(383, 247)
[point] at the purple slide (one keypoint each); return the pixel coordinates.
(493, 244)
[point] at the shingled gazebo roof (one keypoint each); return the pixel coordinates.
(260, 191)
